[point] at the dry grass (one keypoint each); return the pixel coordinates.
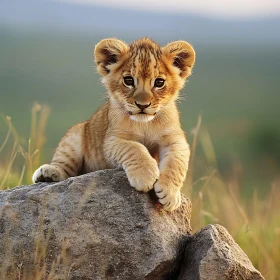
(254, 222)
(26, 153)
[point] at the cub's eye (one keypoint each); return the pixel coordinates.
(159, 82)
(128, 81)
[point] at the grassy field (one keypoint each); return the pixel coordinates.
(234, 179)
(253, 221)
(234, 87)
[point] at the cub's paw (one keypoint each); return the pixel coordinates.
(169, 197)
(48, 173)
(144, 176)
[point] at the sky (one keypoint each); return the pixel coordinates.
(211, 8)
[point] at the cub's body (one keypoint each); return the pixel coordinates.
(138, 128)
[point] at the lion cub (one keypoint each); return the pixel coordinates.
(138, 128)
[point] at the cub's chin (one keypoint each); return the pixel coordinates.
(142, 117)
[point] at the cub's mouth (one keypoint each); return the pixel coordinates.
(141, 117)
(141, 113)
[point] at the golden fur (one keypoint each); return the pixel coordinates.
(138, 128)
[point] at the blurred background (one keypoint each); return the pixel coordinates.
(230, 108)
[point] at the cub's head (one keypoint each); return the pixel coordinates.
(142, 78)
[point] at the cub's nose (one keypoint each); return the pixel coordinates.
(142, 107)
(143, 99)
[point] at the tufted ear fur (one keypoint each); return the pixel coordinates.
(183, 56)
(108, 52)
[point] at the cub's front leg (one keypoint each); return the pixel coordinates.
(140, 167)
(67, 160)
(173, 166)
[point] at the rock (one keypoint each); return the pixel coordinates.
(95, 226)
(212, 254)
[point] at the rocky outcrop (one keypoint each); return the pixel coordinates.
(212, 253)
(95, 226)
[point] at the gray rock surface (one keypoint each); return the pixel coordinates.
(212, 254)
(94, 226)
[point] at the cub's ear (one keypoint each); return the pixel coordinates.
(108, 52)
(183, 56)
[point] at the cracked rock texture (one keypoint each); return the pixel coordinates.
(95, 226)
(212, 254)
